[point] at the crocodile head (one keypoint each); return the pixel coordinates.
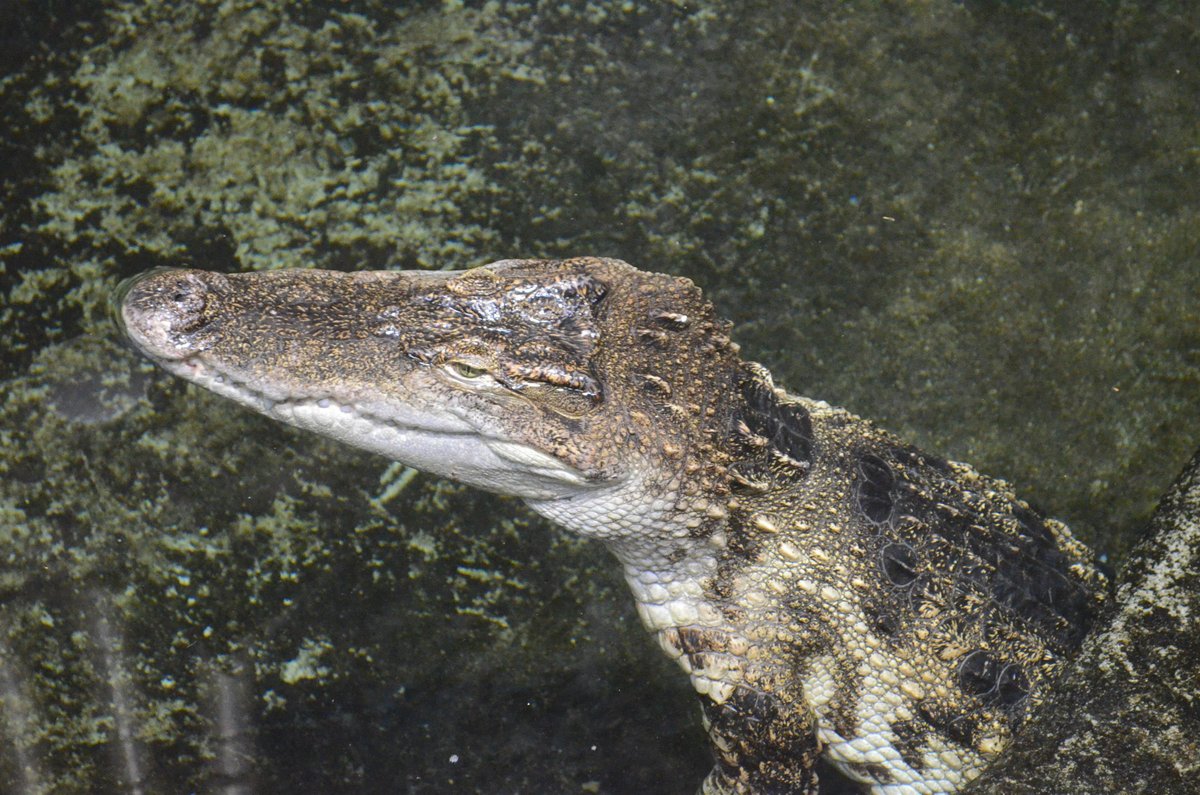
(540, 379)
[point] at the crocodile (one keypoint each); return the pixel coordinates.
(831, 591)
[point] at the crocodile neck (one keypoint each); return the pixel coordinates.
(664, 563)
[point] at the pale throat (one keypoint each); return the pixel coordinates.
(647, 531)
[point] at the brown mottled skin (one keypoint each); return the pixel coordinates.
(829, 589)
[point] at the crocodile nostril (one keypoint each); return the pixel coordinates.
(187, 297)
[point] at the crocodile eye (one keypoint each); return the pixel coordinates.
(464, 370)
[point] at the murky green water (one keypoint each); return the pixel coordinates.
(978, 223)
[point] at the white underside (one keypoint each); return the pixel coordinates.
(429, 438)
(879, 706)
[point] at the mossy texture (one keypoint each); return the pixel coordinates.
(977, 223)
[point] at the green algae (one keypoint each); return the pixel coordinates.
(976, 224)
(245, 131)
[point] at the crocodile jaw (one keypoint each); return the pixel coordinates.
(412, 423)
(423, 437)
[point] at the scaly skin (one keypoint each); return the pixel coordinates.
(828, 589)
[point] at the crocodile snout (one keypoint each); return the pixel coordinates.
(161, 310)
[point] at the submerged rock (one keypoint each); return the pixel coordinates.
(1126, 717)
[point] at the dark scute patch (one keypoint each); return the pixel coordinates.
(702, 531)
(1058, 608)
(742, 548)
(762, 744)
(868, 771)
(1019, 566)
(693, 640)
(978, 673)
(1005, 685)
(910, 737)
(899, 564)
(959, 729)
(875, 489)
(1031, 580)
(741, 540)
(958, 527)
(1023, 572)
(883, 616)
(753, 704)
(1012, 687)
(787, 426)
